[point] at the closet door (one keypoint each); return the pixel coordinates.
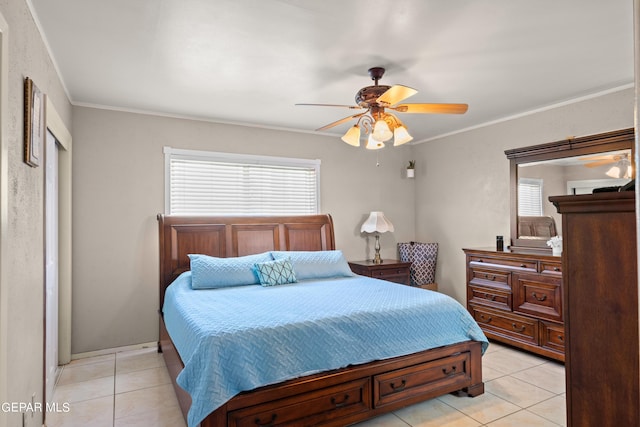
(51, 267)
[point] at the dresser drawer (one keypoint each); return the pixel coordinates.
(553, 268)
(506, 324)
(490, 278)
(307, 409)
(511, 263)
(538, 295)
(495, 298)
(409, 382)
(552, 336)
(394, 274)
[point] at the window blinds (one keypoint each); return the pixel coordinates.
(530, 197)
(202, 183)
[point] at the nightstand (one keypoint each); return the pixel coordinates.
(392, 270)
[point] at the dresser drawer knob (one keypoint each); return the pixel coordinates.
(561, 338)
(523, 265)
(542, 298)
(266, 424)
(490, 297)
(341, 404)
(398, 387)
(516, 329)
(491, 277)
(556, 268)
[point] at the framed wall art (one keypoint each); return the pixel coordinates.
(33, 123)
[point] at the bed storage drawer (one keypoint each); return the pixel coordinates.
(308, 409)
(406, 383)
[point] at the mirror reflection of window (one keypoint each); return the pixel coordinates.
(530, 197)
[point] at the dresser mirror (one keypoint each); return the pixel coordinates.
(571, 166)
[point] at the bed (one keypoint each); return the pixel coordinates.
(353, 388)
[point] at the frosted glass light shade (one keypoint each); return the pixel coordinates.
(374, 144)
(622, 169)
(401, 136)
(376, 223)
(352, 137)
(381, 131)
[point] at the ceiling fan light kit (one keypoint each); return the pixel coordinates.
(381, 126)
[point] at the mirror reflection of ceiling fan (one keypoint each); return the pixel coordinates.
(378, 123)
(621, 164)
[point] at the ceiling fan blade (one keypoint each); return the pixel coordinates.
(353, 107)
(395, 94)
(341, 121)
(599, 163)
(432, 108)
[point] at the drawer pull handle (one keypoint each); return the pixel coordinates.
(560, 338)
(523, 265)
(492, 277)
(516, 329)
(490, 297)
(449, 371)
(485, 319)
(393, 386)
(480, 260)
(556, 268)
(268, 423)
(542, 298)
(337, 404)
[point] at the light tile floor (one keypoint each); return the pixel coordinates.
(133, 389)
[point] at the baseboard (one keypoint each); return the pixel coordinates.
(153, 344)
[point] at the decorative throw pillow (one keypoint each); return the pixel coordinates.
(273, 273)
(209, 272)
(316, 264)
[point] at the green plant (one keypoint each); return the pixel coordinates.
(412, 164)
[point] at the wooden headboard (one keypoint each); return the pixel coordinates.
(231, 236)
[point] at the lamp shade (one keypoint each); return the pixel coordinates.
(376, 223)
(401, 136)
(374, 144)
(352, 137)
(381, 131)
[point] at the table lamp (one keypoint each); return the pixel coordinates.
(376, 223)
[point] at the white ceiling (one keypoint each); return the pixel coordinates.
(250, 61)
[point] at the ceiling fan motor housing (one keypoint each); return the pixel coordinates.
(366, 97)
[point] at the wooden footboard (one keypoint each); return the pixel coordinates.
(345, 396)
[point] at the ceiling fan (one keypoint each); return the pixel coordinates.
(378, 123)
(621, 168)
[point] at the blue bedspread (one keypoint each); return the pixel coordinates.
(240, 338)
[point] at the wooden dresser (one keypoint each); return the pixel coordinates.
(516, 298)
(601, 309)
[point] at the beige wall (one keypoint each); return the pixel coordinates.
(22, 218)
(464, 201)
(118, 189)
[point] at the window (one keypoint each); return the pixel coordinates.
(209, 183)
(530, 197)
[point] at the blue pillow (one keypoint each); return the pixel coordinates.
(316, 264)
(273, 273)
(209, 272)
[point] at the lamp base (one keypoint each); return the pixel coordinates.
(376, 258)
